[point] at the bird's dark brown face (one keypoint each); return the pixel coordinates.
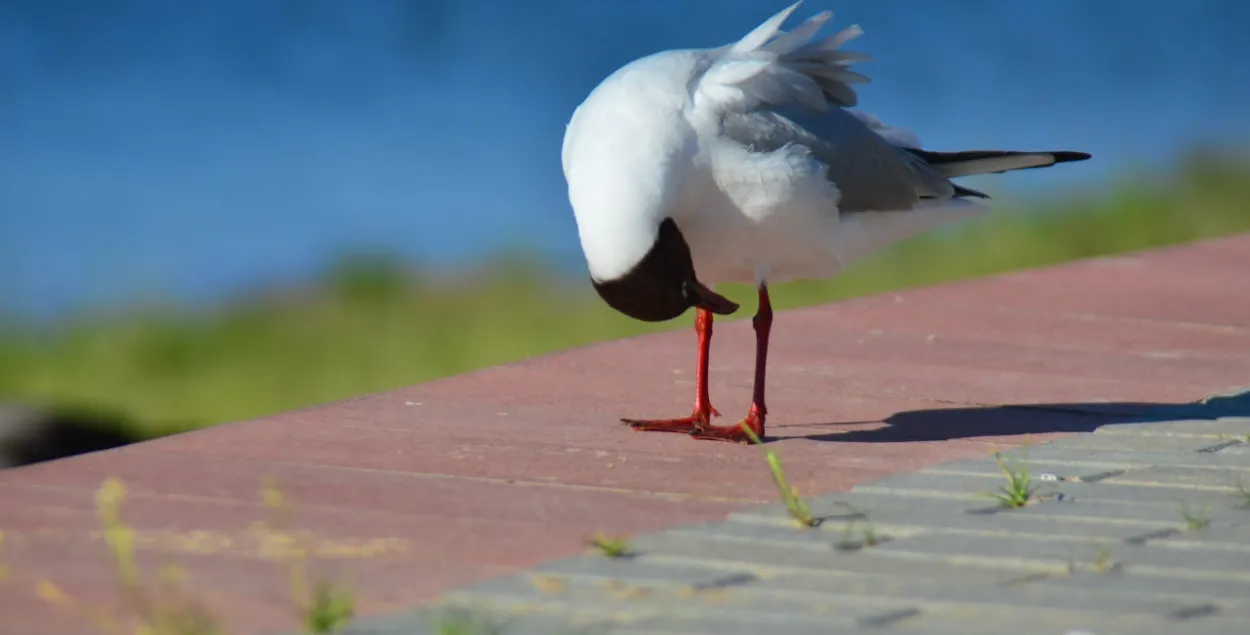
(663, 284)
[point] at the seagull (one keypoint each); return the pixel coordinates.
(744, 163)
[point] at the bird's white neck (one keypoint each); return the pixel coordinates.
(627, 167)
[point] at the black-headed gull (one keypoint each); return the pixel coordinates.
(741, 163)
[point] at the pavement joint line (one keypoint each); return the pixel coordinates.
(1106, 551)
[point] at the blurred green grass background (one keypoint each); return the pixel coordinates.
(369, 323)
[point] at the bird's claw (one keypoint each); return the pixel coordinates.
(698, 426)
(735, 433)
(697, 421)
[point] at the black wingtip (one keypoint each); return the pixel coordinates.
(964, 192)
(1068, 156)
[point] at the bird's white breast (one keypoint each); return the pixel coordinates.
(761, 215)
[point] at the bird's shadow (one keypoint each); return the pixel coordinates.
(942, 424)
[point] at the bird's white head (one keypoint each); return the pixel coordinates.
(628, 162)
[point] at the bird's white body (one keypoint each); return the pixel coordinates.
(656, 139)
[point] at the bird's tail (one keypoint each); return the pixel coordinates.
(776, 66)
(802, 60)
(969, 162)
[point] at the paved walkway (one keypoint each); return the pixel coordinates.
(1135, 529)
(427, 489)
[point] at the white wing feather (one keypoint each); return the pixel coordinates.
(775, 67)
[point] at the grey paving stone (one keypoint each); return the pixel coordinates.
(759, 534)
(1239, 450)
(932, 594)
(844, 507)
(1217, 536)
(634, 571)
(776, 559)
(622, 602)
(901, 522)
(894, 508)
(723, 625)
(948, 486)
(1229, 593)
(906, 622)
(784, 602)
(1054, 527)
(989, 468)
(963, 487)
(1232, 457)
(1072, 623)
(1103, 625)
(1180, 476)
(1134, 443)
(485, 622)
(848, 536)
(1014, 551)
(1203, 428)
(1167, 512)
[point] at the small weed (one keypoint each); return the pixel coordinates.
(325, 608)
(160, 612)
(460, 621)
(330, 609)
(1102, 562)
(609, 546)
(1195, 520)
(1019, 489)
(868, 536)
(789, 494)
(856, 535)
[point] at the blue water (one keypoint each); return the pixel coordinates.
(193, 149)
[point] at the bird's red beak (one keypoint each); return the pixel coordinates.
(706, 298)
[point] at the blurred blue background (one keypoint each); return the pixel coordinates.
(193, 149)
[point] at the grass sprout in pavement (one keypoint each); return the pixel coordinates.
(1019, 489)
(609, 546)
(797, 509)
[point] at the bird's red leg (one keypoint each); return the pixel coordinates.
(763, 322)
(703, 410)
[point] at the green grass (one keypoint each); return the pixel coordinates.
(795, 505)
(1195, 519)
(609, 546)
(1018, 489)
(371, 325)
(159, 608)
(323, 607)
(857, 535)
(163, 607)
(1102, 562)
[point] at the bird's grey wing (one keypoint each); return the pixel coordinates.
(871, 173)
